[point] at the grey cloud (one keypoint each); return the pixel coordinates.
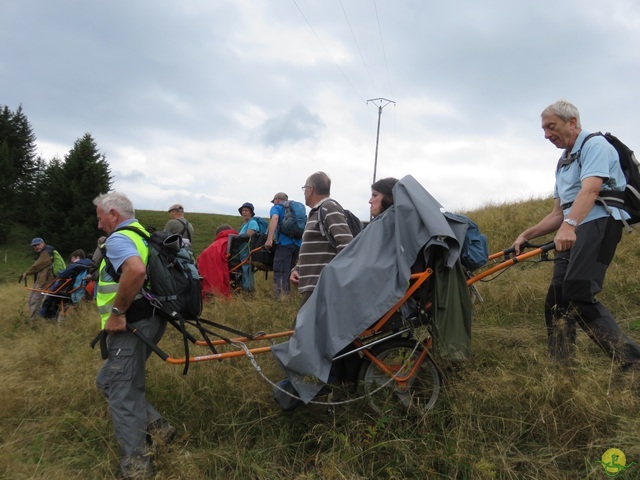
(295, 125)
(134, 176)
(146, 78)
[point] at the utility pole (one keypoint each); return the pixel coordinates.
(383, 102)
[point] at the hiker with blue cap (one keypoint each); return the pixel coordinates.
(42, 274)
(250, 226)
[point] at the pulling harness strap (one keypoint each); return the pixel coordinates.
(607, 198)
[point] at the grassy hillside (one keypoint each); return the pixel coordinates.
(205, 224)
(506, 414)
(16, 255)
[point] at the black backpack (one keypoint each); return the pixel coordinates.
(173, 278)
(354, 223)
(629, 199)
(263, 258)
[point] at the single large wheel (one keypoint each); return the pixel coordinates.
(417, 395)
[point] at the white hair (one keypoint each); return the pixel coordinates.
(115, 201)
(563, 109)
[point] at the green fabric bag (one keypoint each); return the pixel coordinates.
(452, 313)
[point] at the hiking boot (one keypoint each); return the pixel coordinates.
(631, 376)
(136, 468)
(160, 432)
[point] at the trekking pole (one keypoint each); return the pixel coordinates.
(143, 338)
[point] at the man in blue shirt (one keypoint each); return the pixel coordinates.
(587, 234)
(287, 248)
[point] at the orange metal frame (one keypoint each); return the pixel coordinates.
(416, 281)
(47, 290)
(244, 262)
(64, 297)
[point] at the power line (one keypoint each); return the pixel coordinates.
(384, 54)
(358, 47)
(327, 50)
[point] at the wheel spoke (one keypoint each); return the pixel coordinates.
(417, 394)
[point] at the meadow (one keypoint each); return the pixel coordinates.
(507, 413)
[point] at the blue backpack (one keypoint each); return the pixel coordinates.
(294, 220)
(263, 225)
(475, 249)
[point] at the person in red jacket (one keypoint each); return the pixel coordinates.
(213, 266)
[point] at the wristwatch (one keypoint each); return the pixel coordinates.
(117, 312)
(571, 222)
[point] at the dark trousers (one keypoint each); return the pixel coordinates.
(578, 275)
(284, 260)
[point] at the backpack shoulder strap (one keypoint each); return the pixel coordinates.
(185, 228)
(576, 156)
(321, 226)
(134, 229)
(103, 248)
(587, 138)
(324, 231)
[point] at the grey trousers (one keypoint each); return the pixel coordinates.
(122, 381)
(35, 300)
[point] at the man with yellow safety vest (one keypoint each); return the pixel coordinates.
(121, 378)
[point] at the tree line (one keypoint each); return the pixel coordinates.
(52, 198)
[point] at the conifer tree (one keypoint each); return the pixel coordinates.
(18, 167)
(69, 218)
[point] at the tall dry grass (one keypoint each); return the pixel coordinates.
(507, 414)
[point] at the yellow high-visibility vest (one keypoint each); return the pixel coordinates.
(107, 287)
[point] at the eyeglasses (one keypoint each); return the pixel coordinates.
(307, 186)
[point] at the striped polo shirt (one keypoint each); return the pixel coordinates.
(316, 251)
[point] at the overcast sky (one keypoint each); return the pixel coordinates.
(214, 103)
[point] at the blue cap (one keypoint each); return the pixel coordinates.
(247, 205)
(36, 241)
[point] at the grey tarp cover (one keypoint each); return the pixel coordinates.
(364, 281)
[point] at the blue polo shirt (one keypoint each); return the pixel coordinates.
(281, 238)
(597, 159)
(252, 224)
(120, 247)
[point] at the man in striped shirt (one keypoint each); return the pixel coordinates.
(316, 250)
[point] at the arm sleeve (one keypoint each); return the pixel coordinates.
(597, 158)
(336, 224)
(43, 261)
(119, 248)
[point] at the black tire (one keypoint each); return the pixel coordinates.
(422, 390)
